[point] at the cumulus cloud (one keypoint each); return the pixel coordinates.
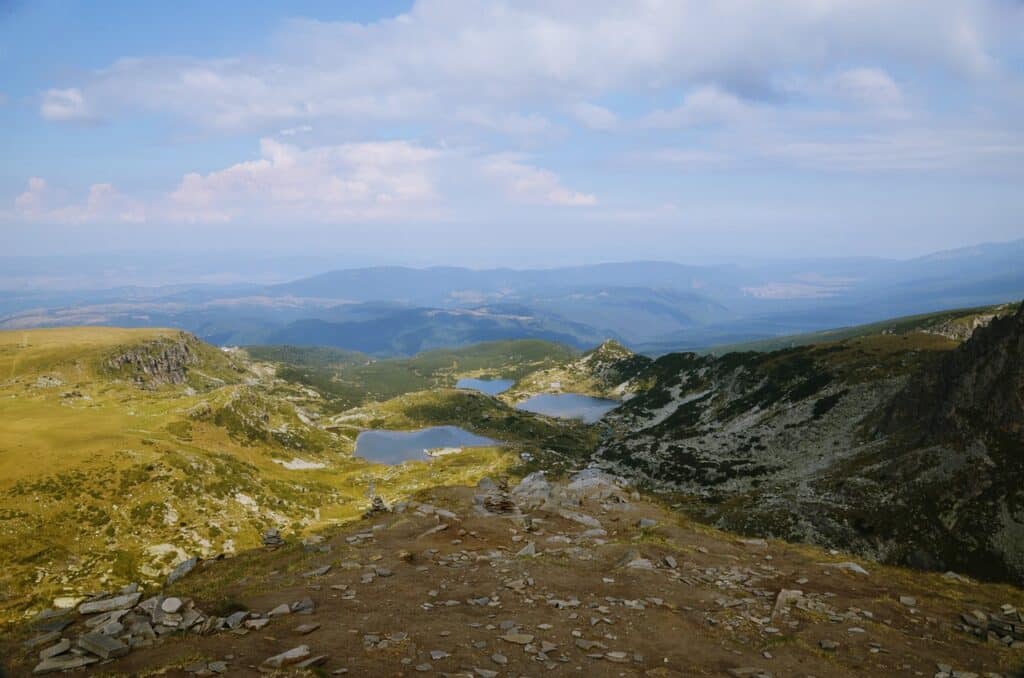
(467, 55)
(41, 203)
(368, 180)
(532, 185)
(65, 105)
(352, 183)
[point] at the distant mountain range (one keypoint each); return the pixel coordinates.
(652, 307)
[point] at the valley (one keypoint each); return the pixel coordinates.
(128, 452)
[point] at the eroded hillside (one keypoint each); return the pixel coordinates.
(893, 444)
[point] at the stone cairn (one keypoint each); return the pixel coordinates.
(271, 538)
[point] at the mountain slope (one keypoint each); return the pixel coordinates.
(549, 577)
(123, 452)
(905, 447)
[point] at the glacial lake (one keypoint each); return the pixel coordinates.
(394, 447)
(488, 386)
(569, 406)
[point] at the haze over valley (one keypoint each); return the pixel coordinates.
(495, 339)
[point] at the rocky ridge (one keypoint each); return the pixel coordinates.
(893, 446)
(165, 361)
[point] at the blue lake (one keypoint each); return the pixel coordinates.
(394, 447)
(569, 406)
(488, 386)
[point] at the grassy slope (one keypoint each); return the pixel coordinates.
(902, 325)
(102, 482)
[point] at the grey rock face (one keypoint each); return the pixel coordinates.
(182, 569)
(158, 362)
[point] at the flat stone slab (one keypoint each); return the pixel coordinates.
(102, 646)
(60, 648)
(41, 639)
(62, 663)
(292, 656)
(126, 601)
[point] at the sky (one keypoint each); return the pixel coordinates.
(511, 133)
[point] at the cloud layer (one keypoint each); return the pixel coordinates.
(566, 109)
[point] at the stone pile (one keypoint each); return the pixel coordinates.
(494, 497)
(377, 506)
(1005, 626)
(110, 625)
(271, 538)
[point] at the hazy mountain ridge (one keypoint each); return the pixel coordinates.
(653, 307)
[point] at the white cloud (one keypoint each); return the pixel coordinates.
(685, 159)
(532, 185)
(353, 183)
(41, 203)
(594, 116)
(908, 150)
(788, 146)
(293, 131)
(868, 86)
(707, 105)
(64, 105)
(509, 123)
(345, 182)
(446, 55)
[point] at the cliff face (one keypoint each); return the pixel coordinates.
(158, 362)
(897, 447)
(978, 389)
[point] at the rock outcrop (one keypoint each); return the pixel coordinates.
(158, 362)
(895, 447)
(978, 389)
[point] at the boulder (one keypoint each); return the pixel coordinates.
(596, 485)
(533, 491)
(292, 656)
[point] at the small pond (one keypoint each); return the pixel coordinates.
(394, 447)
(569, 406)
(488, 386)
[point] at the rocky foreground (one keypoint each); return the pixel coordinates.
(563, 578)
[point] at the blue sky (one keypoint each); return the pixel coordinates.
(512, 133)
